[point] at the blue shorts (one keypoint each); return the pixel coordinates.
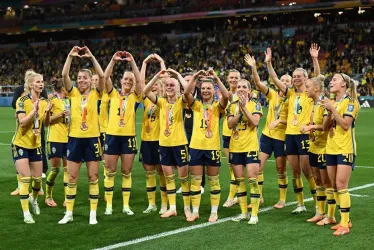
(174, 156)
(244, 158)
(269, 145)
(297, 144)
(189, 136)
(226, 141)
(341, 159)
(24, 153)
(84, 149)
(57, 150)
(150, 153)
(317, 160)
(102, 139)
(120, 145)
(205, 157)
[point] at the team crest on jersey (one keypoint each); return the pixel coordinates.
(350, 108)
(54, 150)
(106, 147)
(21, 105)
(20, 152)
(68, 152)
(258, 107)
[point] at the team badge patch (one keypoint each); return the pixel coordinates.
(258, 107)
(54, 150)
(106, 147)
(21, 105)
(68, 152)
(20, 152)
(350, 108)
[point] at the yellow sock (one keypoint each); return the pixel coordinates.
(345, 206)
(331, 203)
(24, 193)
(282, 184)
(126, 188)
(66, 179)
(185, 186)
(150, 177)
(18, 181)
(195, 192)
(36, 185)
(163, 190)
(298, 189)
(260, 181)
(321, 199)
(313, 188)
(108, 187)
(242, 195)
(71, 192)
(215, 192)
(233, 185)
(170, 186)
(94, 194)
(336, 195)
(51, 181)
(255, 195)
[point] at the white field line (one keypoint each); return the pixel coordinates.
(359, 195)
(355, 165)
(207, 224)
(6, 132)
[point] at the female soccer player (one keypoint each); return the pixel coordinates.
(120, 138)
(243, 117)
(83, 142)
(297, 144)
(317, 130)
(205, 141)
(273, 134)
(149, 148)
(57, 140)
(173, 141)
(232, 78)
(341, 143)
(31, 111)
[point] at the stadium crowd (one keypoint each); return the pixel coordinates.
(348, 50)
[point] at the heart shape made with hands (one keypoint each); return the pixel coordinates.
(123, 56)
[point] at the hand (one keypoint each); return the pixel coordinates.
(158, 58)
(211, 73)
(305, 129)
(250, 60)
(117, 56)
(126, 56)
(149, 58)
(172, 72)
(65, 113)
(314, 50)
(49, 106)
(268, 55)
(242, 99)
(87, 52)
(35, 107)
(327, 104)
(273, 124)
(75, 51)
(199, 74)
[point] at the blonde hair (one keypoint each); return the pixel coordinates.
(234, 71)
(130, 74)
(247, 82)
(305, 73)
(89, 72)
(30, 76)
(319, 81)
(161, 83)
(351, 85)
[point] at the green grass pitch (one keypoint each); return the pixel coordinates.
(277, 229)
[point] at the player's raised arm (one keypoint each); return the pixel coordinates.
(250, 60)
(272, 73)
(66, 70)
(314, 51)
(97, 67)
(147, 89)
(224, 99)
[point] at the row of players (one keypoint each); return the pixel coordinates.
(301, 123)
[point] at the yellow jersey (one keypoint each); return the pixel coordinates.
(225, 130)
(246, 139)
(103, 112)
(172, 131)
(300, 107)
(340, 141)
(58, 130)
(318, 145)
(278, 108)
(25, 137)
(84, 106)
(205, 118)
(151, 121)
(122, 107)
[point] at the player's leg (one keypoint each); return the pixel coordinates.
(253, 165)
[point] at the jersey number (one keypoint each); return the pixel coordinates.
(97, 149)
(305, 144)
(132, 143)
(216, 155)
(203, 124)
(321, 158)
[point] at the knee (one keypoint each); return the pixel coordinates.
(72, 178)
(340, 184)
(126, 172)
(93, 177)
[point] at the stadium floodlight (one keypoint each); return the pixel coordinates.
(360, 11)
(317, 14)
(340, 12)
(26, 6)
